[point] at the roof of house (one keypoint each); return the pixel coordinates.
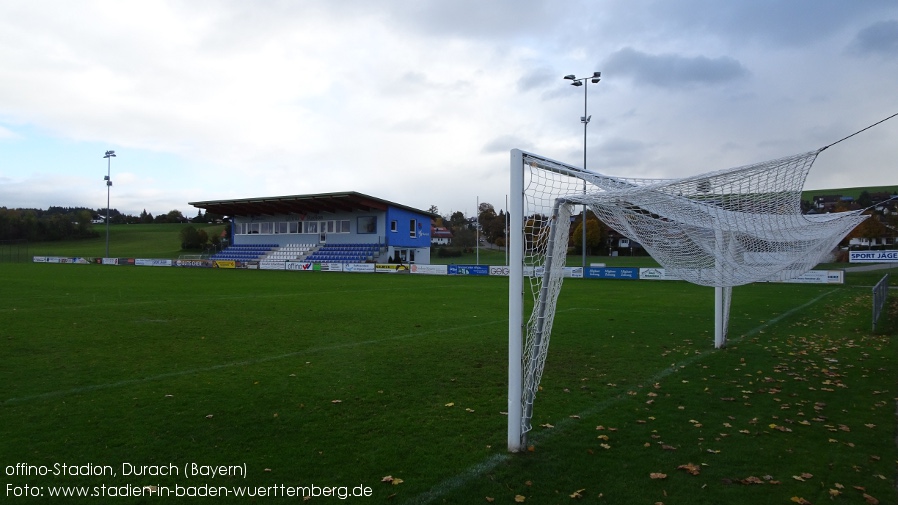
(302, 204)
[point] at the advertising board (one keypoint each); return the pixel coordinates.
(873, 256)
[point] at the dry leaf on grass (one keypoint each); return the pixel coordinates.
(691, 468)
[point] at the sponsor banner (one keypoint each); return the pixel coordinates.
(332, 267)
(40, 259)
(109, 261)
(430, 269)
(389, 268)
(300, 266)
(224, 264)
(656, 274)
(533, 271)
(367, 268)
(819, 277)
(612, 273)
(193, 263)
(873, 256)
(469, 270)
(142, 262)
(500, 270)
(272, 265)
(575, 272)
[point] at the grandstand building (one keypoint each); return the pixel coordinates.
(324, 228)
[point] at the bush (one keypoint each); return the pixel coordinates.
(448, 252)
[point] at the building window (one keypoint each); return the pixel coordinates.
(393, 226)
(412, 228)
(365, 224)
(294, 227)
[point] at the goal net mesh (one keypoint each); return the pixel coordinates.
(723, 229)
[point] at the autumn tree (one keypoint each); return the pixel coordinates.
(595, 236)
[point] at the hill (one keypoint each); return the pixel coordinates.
(852, 192)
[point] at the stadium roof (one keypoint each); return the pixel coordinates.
(301, 204)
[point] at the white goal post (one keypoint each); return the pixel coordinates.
(719, 229)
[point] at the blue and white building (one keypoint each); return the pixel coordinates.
(330, 227)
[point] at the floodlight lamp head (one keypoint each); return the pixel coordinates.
(577, 83)
(570, 77)
(110, 154)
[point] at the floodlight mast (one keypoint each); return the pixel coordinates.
(581, 81)
(108, 179)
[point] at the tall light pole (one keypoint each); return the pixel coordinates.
(581, 81)
(109, 156)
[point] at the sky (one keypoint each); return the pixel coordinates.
(419, 102)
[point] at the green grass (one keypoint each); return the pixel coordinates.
(343, 379)
(125, 241)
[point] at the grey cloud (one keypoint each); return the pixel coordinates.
(505, 143)
(673, 71)
(537, 78)
(878, 39)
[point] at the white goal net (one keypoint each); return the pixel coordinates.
(722, 229)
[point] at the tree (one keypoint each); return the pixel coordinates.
(457, 222)
(146, 217)
(485, 219)
(595, 236)
(496, 230)
(191, 238)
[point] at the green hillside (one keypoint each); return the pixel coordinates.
(852, 192)
(126, 240)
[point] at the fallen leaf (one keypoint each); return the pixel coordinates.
(490, 499)
(576, 494)
(871, 500)
(692, 469)
(452, 404)
(519, 498)
(658, 475)
(800, 501)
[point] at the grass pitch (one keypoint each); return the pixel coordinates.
(342, 380)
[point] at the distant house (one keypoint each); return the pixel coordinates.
(828, 203)
(440, 235)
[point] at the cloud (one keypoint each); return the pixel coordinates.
(673, 71)
(879, 39)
